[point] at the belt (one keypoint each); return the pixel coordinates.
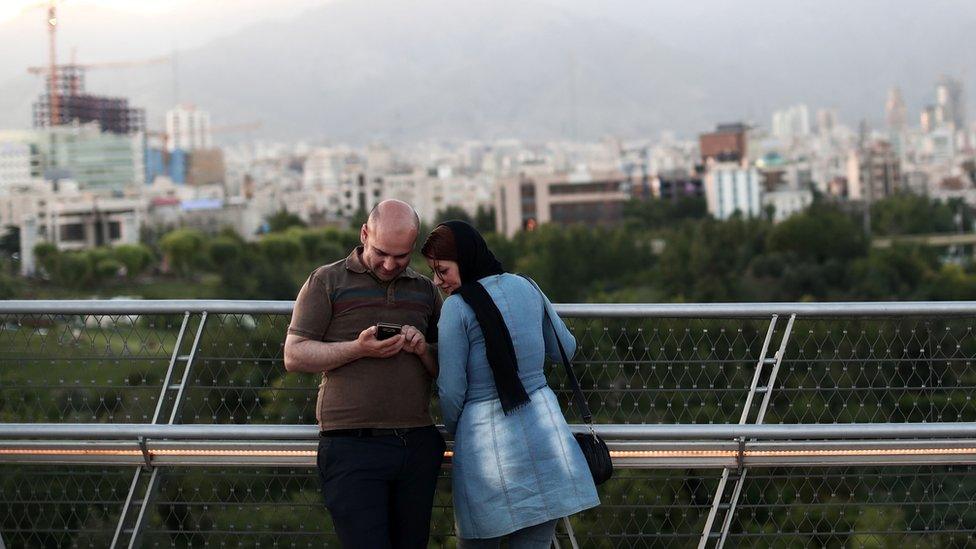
(369, 432)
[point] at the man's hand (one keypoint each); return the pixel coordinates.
(413, 340)
(379, 348)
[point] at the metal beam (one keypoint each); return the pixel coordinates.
(631, 455)
(819, 431)
(573, 310)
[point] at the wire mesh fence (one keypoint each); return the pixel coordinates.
(226, 368)
(109, 368)
(867, 507)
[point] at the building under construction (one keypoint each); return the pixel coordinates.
(113, 114)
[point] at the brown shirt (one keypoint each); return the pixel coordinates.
(340, 300)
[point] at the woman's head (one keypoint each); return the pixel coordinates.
(440, 250)
(458, 255)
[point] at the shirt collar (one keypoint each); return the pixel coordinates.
(355, 264)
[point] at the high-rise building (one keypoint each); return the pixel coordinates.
(727, 143)
(96, 160)
(791, 122)
(895, 111)
(112, 114)
(188, 129)
(927, 119)
(826, 120)
(950, 105)
(874, 172)
(732, 187)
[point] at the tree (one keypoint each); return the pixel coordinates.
(9, 285)
(819, 234)
(184, 249)
(453, 213)
(358, 219)
(484, 219)
(892, 273)
(281, 249)
(48, 256)
(912, 214)
(227, 253)
(321, 246)
(10, 241)
(136, 258)
(283, 220)
(75, 270)
(657, 214)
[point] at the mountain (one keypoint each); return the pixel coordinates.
(359, 70)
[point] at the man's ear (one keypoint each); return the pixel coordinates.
(363, 234)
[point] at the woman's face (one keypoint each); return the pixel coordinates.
(447, 277)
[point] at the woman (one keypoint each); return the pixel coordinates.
(516, 467)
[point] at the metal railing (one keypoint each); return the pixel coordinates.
(147, 423)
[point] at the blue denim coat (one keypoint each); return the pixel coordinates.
(519, 470)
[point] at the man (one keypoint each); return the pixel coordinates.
(379, 453)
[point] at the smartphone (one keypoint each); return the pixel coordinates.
(385, 330)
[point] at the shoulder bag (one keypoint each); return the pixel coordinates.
(594, 448)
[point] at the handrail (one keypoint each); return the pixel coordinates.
(575, 310)
(618, 432)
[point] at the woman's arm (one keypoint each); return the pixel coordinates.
(452, 353)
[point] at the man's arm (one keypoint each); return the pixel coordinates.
(311, 356)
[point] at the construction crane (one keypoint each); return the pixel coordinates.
(72, 70)
(106, 65)
(69, 75)
(52, 32)
(51, 8)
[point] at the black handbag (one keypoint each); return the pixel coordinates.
(592, 445)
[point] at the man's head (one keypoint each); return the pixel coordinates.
(388, 238)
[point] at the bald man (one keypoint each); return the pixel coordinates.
(379, 453)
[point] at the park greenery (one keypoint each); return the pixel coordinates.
(660, 252)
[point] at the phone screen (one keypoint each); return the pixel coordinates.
(386, 331)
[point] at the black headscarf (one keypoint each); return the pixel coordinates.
(475, 261)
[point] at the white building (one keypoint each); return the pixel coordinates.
(786, 202)
(791, 122)
(188, 129)
(731, 187)
(72, 220)
(430, 193)
(320, 177)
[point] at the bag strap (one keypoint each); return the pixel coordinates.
(584, 409)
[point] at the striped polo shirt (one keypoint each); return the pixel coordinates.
(338, 302)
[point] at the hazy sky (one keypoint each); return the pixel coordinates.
(110, 30)
(10, 9)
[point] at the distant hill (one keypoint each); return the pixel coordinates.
(399, 70)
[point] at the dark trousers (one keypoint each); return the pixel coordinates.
(379, 490)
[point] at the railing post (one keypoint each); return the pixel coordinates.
(166, 389)
(743, 419)
(770, 385)
(720, 489)
(124, 515)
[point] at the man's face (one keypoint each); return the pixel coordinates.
(386, 253)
